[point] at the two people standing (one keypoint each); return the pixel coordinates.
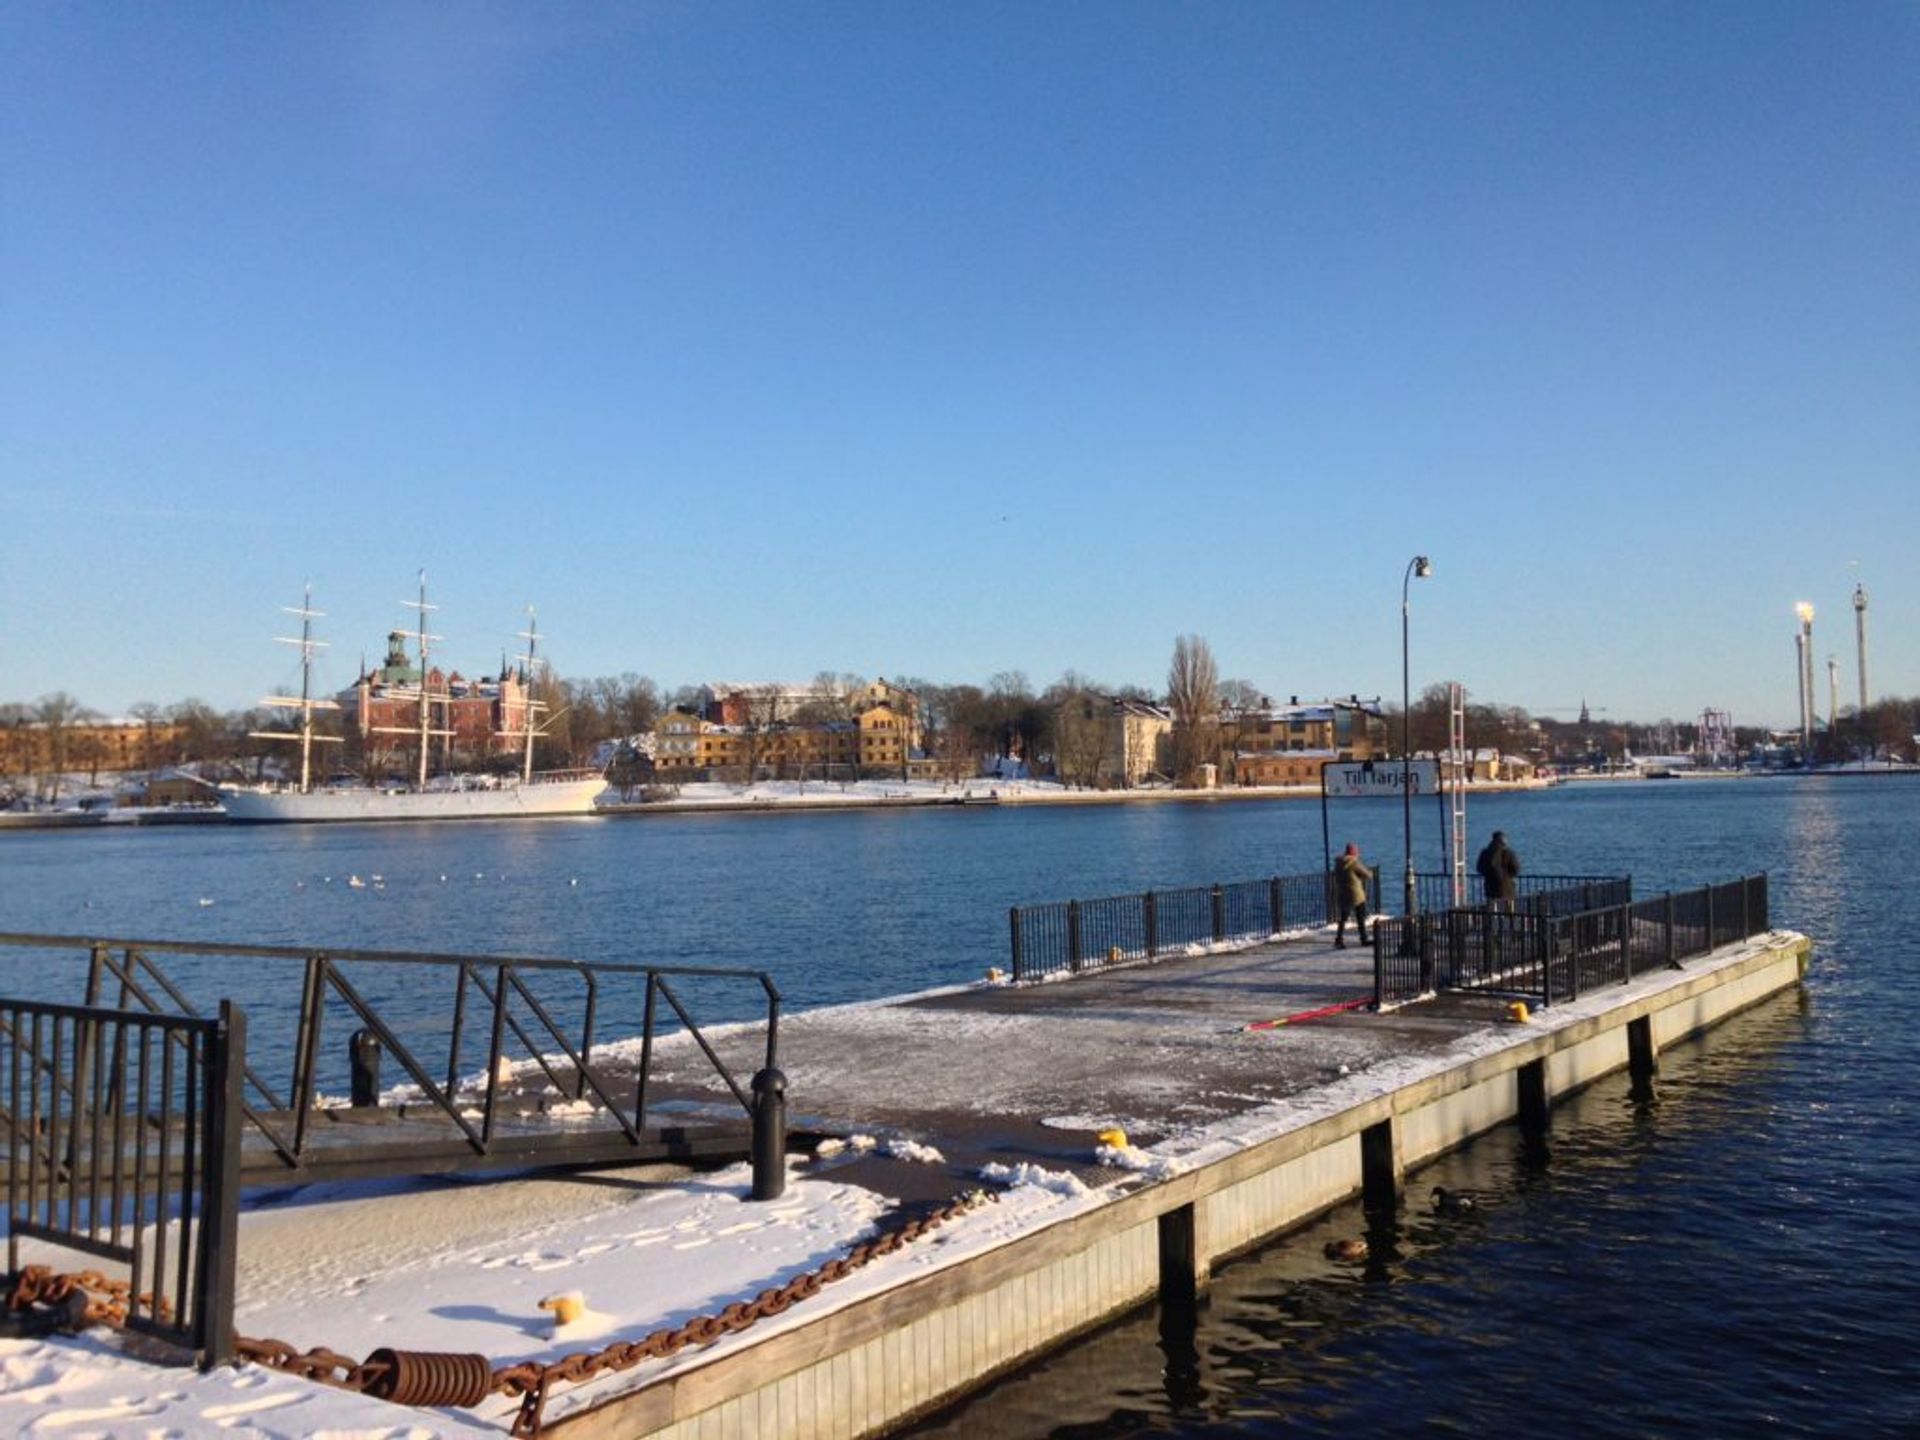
(1499, 871)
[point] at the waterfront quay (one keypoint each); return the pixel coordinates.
(1060, 1153)
(1245, 1134)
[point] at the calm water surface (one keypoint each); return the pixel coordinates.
(1740, 1256)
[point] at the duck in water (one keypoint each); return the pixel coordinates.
(1451, 1202)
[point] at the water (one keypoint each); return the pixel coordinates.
(1742, 1255)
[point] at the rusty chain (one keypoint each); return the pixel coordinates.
(107, 1300)
(412, 1378)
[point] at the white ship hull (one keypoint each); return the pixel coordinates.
(475, 800)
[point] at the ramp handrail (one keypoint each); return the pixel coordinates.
(494, 988)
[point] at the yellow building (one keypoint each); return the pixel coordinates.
(886, 738)
(1139, 737)
(32, 748)
(1340, 729)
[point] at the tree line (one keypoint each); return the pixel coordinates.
(1061, 726)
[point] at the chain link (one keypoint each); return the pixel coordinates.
(109, 1300)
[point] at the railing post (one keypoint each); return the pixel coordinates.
(769, 1135)
(1073, 935)
(1710, 937)
(1273, 903)
(586, 1033)
(1746, 922)
(1219, 898)
(1672, 963)
(220, 1190)
(1549, 943)
(1626, 943)
(363, 1066)
(1013, 923)
(1151, 911)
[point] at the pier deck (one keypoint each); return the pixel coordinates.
(1243, 1134)
(1156, 1049)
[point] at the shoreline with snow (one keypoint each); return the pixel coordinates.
(776, 795)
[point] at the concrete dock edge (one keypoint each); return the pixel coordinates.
(877, 1362)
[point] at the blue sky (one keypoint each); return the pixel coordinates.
(758, 340)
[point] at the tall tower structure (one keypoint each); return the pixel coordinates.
(1860, 638)
(1804, 640)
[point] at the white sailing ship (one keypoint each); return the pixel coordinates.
(429, 797)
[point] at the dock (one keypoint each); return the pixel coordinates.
(1262, 1132)
(1061, 1153)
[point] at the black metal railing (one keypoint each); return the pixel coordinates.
(1551, 954)
(496, 1017)
(1072, 936)
(1554, 894)
(122, 1143)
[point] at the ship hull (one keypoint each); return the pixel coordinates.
(509, 800)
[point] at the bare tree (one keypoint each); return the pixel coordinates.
(1082, 720)
(56, 715)
(963, 729)
(148, 714)
(830, 706)
(1193, 694)
(765, 706)
(639, 708)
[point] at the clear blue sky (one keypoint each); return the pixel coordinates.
(751, 341)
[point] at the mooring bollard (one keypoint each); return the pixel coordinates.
(769, 1135)
(363, 1063)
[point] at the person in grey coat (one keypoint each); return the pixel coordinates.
(1350, 877)
(1499, 871)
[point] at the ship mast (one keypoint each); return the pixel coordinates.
(532, 636)
(306, 704)
(423, 637)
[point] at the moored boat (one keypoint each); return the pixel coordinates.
(439, 797)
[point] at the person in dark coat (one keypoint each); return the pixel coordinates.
(1350, 877)
(1499, 871)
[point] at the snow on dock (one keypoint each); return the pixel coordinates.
(899, 1104)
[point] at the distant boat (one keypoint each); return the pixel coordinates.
(442, 797)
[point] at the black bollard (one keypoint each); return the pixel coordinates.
(769, 1135)
(363, 1062)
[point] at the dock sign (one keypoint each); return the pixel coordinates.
(1379, 777)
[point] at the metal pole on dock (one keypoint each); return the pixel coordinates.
(1422, 567)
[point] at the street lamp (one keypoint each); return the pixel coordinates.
(1422, 567)
(1804, 641)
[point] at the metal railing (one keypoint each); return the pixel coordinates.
(1555, 894)
(547, 1016)
(1069, 937)
(122, 1135)
(1551, 954)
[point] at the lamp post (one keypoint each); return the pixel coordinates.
(1422, 567)
(1804, 612)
